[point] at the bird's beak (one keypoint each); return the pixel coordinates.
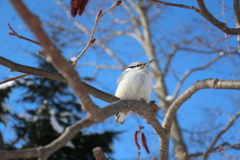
(149, 62)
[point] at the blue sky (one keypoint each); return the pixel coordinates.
(17, 50)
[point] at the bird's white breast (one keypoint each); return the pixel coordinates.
(135, 85)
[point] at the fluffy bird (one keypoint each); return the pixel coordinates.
(134, 83)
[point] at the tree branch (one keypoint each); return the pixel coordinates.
(91, 40)
(177, 5)
(55, 76)
(169, 58)
(206, 14)
(137, 106)
(52, 54)
(237, 17)
(208, 83)
(237, 12)
(222, 26)
(87, 32)
(13, 78)
(229, 124)
(13, 33)
(99, 154)
(189, 72)
(217, 149)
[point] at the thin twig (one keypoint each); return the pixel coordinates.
(91, 39)
(87, 32)
(14, 78)
(219, 135)
(189, 72)
(14, 33)
(177, 5)
(216, 150)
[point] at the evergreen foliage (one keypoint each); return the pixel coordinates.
(56, 108)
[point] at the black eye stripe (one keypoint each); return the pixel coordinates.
(136, 65)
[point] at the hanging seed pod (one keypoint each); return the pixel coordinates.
(136, 139)
(144, 142)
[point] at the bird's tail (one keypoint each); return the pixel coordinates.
(120, 118)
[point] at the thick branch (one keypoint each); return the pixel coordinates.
(55, 76)
(138, 106)
(206, 14)
(53, 55)
(222, 26)
(237, 12)
(208, 83)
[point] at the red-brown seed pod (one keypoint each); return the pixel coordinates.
(76, 3)
(81, 6)
(136, 140)
(144, 142)
(73, 8)
(118, 3)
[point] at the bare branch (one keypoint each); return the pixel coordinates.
(55, 76)
(53, 55)
(13, 78)
(189, 72)
(99, 154)
(222, 26)
(14, 33)
(208, 83)
(134, 21)
(237, 17)
(117, 3)
(138, 106)
(177, 5)
(206, 14)
(87, 32)
(215, 150)
(237, 12)
(229, 124)
(214, 51)
(169, 60)
(91, 40)
(100, 66)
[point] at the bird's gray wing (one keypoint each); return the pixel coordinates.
(122, 76)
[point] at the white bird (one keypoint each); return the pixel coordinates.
(134, 83)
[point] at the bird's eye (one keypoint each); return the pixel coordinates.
(139, 65)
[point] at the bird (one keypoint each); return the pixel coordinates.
(133, 83)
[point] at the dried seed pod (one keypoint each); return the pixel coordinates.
(82, 6)
(76, 3)
(78, 6)
(136, 139)
(144, 142)
(73, 8)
